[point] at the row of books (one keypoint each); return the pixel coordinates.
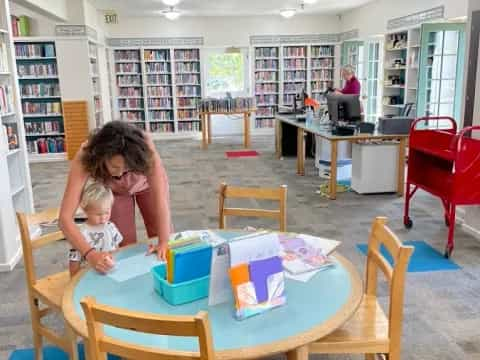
(187, 55)
(294, 64)
(188, 91)
(288, 99)
(266, 76)
(129, 80)
(12, 136)
(187, 67)
(160, 79)
(161, 115)
(161, 127)
(267, 99)
(188, 79)
(227, 104)
(321, 85)
(189, 126)
(130, 55)
(266, 64)
(157, 55)
(295, 75)
(46, 145)
(322, 74)
(128, 68)
(157, 67)
(293, 88)
(318, 51)
(131, 91)
(20, 25)
(160, 102)
(187, 114)
(3, 57)
(130, 103)
(187, 102)
(265, 111)
(293, 51)
(42, 127)
(6, 99)
(37, 70)
(159, 91)
(34, 50)
(41, 108)
(264, 123)
(266, 88)
(266, 52)
(316, 63)
(131, 115)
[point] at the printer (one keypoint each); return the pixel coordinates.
(397, 124)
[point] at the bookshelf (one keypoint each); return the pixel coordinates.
(267, 83)
(96, 88)
(294, 72)
(322, 70)
(16, 194)
(41, 99)
(402, 53)
(158, 89)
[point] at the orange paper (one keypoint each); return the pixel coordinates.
(239, 275)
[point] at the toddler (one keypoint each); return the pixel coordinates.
(100, 233)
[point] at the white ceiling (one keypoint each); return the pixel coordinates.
(226, 7)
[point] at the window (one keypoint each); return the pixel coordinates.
(226, 72)
(372, 84)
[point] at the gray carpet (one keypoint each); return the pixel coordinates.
(442, 315)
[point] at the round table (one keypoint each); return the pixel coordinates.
(313, 310)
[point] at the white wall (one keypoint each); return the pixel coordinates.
(57, 9)
(372, 18)
(39, 25)
(222, 31)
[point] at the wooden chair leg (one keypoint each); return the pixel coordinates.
(72, 342)
(36, 324)
(370, 357)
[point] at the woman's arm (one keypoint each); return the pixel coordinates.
(71, 199)
(158, 182)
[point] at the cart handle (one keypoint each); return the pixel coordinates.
(459, 148)
(435, 118)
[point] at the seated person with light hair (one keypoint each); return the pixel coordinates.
(352, 85)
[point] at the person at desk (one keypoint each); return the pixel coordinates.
(352, 85)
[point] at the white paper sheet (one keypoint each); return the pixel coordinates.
(257, 247)
(133, 266)
(220, 290)
(327, 245)
(301, 277)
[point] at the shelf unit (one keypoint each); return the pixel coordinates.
(294, 73)
(158, 88)
(322, 70)
(14, 170)
(400, 70)
(96, 88)
(41, 98)
(266, 75)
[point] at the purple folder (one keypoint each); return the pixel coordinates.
(260, 270)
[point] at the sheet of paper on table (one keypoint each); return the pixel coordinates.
(220, 290)
(205, 235)
(133, 266)
(254, 247)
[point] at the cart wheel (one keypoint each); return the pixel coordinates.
(408, 223)
(448, 252)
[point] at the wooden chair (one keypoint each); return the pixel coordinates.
(369, 331)
(97, 315)
(45, 294)
(277, 194)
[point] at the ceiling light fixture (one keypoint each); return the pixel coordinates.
(171, 2)
(288, 13)
(309, 1)
(171, 14)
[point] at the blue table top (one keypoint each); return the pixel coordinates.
(309, 305)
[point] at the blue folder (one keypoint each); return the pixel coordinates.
(191, 262)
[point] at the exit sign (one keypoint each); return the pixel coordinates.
(111, 17)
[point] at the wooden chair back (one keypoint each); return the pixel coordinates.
(276, 194)
(98, 315)
(27, 222)
(395, 275)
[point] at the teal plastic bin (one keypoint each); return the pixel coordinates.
(181, 293)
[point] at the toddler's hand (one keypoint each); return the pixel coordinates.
(99, 261)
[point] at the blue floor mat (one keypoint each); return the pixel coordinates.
(50, 353)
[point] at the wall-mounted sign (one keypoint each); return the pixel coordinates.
(111, 17)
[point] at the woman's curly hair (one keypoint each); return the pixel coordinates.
(116, 138)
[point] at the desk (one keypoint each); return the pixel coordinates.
(313, 310)
(205, 118)
(325, 133)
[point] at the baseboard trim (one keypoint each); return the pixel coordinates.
(13, 261)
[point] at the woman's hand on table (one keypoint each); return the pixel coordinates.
(100, 261)
(160, 249)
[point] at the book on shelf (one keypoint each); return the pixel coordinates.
(6, 99)
(186, 55)
(156, 55)
(131, 115)
(25, 51)
(45, 108)
(40, 90)
(11, 134)
(227, 104)
(161, 127)
(20, 25)
(46, 145)
(42, 127)
(188, 126)
(266, 52)
(323, 50)
(126, 55)
(37, 70)
(294, 51)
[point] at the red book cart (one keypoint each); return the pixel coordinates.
(445, 164)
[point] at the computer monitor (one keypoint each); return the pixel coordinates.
(343, 108)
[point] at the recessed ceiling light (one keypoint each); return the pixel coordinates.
(171, 14)
(309, 1)
(171, 2)
(288, 13)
